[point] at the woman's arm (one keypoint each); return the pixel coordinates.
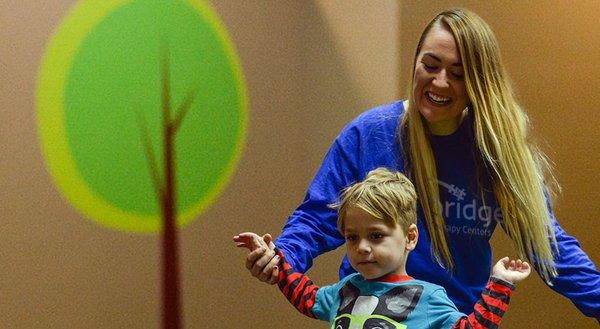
(312, 228)
(578, 279)
(368, 142)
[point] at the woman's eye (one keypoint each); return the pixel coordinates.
(459, 76)
(429, 67)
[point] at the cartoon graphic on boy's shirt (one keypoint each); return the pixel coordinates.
(389, 302)
(386, 311)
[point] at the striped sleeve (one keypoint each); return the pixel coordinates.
(299, 290)
(488, 310)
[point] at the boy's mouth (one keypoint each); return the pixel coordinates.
(366, 262)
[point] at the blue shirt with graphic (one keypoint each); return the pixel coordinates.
(471, 213)
(373, 304)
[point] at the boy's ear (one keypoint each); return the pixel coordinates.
(412, 236)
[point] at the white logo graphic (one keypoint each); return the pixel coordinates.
(468, 210)
(458, 193)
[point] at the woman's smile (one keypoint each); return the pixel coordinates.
(437, 99)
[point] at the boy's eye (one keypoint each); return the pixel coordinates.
(376, 236)
(351, 237)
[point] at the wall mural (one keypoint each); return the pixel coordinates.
(141, 112)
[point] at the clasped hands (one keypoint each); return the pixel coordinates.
(261, 260)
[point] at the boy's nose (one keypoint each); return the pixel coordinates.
(364, 246)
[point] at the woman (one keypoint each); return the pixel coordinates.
(462, 139)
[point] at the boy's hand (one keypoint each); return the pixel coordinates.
(249, 240)
(511, 270)
(261, 260)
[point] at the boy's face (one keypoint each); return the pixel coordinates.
(375, 248)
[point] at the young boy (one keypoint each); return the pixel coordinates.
(377, 217)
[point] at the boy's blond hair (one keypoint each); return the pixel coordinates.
(383, 194)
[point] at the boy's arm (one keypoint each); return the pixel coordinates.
(488, 310)
(299, 290)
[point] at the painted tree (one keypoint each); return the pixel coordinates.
(141, 115)
(164, 188)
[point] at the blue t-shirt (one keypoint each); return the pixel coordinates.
(355, 301)
(469, 208)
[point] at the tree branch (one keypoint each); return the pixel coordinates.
(182, 110)
(150, 158)
(165, 87)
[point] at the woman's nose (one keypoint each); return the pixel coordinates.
(440, 80)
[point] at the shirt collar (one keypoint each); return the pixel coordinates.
(393, 278)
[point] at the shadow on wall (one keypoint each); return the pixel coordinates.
(301, 94)
(330, 96)
(301, 91)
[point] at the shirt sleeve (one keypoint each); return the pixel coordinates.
(489, 310)
(297, 288)
(303, 294)
(312, 228)
(578, 279)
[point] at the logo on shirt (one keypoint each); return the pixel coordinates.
(464, 215)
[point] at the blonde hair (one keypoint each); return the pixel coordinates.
(500, 129)
(386, 195)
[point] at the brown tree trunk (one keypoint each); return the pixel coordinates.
(170, 252)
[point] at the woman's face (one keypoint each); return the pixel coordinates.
(439, 87)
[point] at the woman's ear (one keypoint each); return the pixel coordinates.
(412, 236)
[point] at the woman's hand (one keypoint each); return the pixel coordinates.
(511, 270)
(261, 261)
